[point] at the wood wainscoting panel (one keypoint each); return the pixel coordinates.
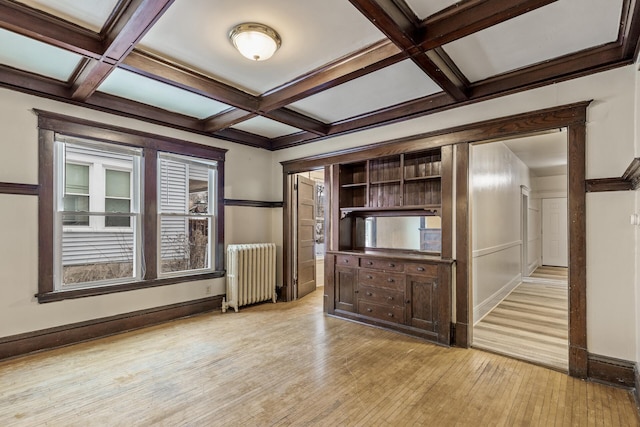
(289, 364)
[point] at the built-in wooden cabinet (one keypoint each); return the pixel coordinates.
(405, 287)
(402, 181)
(409, 293)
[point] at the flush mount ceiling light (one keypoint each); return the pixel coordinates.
(255, 41)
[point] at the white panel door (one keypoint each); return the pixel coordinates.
(554, 232)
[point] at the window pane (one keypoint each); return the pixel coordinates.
(117, 205)
(184, 243)
(79, 204)
(76, 179)
(118, 184)
(92, 257)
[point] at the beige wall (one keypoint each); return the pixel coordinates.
(611, 126)
(247, 176)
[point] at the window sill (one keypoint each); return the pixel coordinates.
(123, 287)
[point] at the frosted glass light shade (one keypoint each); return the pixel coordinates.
(256, 42)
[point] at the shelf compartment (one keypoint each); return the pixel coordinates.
(353, 174)
(422, 165)
(385, 195)
(422, 192)
(354, 196)
(385, 169)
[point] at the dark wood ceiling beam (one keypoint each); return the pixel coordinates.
(401, 29)
(244, 138)
(136, 19)
(470, 16)
(297, 120)
(388, 115)
(292, 140)
(32, 84)
(365, 61)
(226, 119)
(28, 22)
(566, 67)
(158, 69)
(358, 64)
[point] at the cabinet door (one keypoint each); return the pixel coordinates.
(422, 302)
(345, 288)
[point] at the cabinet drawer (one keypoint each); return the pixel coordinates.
(380, 295)
(349, 260)
(382, 312)
(381, 264)
(423, 269)
(381, 279)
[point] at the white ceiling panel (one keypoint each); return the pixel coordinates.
(36, 57)
(313, 33)
(91, 14)
(544, 154)
(137, 88)
(392, 85)
(423, 9)
(266, 127)
(569, 26)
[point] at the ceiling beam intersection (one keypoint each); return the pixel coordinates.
(136, 19)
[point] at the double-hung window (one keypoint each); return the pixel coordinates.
(97, 214)
(121, 209)
(185, 214)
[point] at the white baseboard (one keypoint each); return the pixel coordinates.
(532, 267)
(492, 302)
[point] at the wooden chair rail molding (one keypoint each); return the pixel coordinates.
(21, 189)
(630, 180)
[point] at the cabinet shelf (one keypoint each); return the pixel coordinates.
(387, 181)
(422, 178)
(426, 209)
(354, 185)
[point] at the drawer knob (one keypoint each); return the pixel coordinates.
(390, 280)
(369, 310)
(390, 298)
(369, 294)
(369, 262)
(420, 269)
(391, 264)
(390, 314)
(346, 261)
(369, 276)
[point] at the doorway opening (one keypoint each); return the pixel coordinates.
(308, 230)
(520, 248)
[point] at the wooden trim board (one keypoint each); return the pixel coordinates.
(18, 345)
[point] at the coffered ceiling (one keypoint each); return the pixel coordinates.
(344, 65)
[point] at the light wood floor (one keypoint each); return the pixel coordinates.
(531, 323)
(288, 364)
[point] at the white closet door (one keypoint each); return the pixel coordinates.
(554, 232)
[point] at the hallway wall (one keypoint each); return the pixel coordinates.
(496, 177)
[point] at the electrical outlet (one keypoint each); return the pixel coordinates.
(207, 290)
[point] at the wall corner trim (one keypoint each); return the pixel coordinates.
(630, 180)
